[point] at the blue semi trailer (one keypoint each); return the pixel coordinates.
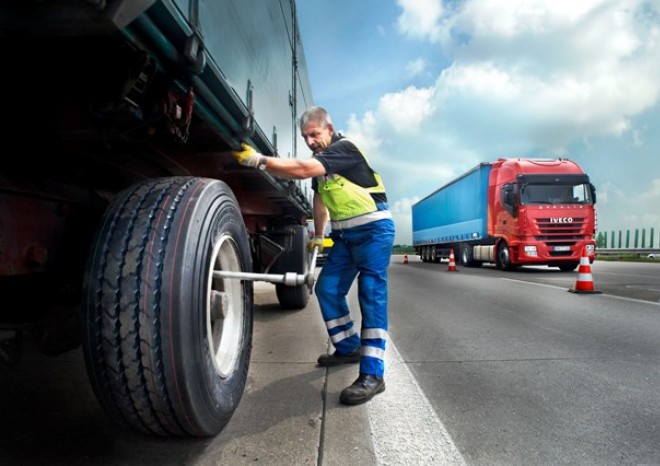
(455, 213)
(511, 212)
(122, 207)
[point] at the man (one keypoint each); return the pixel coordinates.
(352, 194)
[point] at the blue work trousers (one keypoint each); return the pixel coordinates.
(363, 252)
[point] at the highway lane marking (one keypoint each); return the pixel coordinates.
(622, 298)
(406, 430)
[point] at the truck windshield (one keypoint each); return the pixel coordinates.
(537, 194)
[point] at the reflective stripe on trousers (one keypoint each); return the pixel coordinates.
(363, 252)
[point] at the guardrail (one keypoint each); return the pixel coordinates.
(628, 239)
(618, 251)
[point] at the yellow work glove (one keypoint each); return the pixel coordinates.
(315, 241)
(247, 156)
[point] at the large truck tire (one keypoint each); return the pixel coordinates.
(467, 256)
(295, 259)
(292, 297)
(167, 345)
(503, 256)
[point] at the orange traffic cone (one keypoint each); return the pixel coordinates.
(405, 258)
(452, 262)
(584, 282)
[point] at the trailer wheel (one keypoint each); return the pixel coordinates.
(167, 345)
(503, 256)
(296, 259)
(466, 255)
(292, 297)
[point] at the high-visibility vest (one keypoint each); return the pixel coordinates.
(345, 199)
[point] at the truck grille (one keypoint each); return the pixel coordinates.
(560, 234)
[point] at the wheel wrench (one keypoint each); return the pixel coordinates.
(288, 278)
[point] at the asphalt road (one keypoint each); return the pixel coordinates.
(500, 368)
(520, 371)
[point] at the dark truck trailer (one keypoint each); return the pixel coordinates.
(120, 202)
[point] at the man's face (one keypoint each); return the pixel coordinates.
(317, 137)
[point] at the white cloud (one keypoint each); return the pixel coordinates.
(482, 80)
(405, 111)
(574, 68)
(516, 17)
(364, 133)
(541, 74)
(420, 18)
(600, 70)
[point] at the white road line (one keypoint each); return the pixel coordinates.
(405, 427)
(622, 298)
(533, 283)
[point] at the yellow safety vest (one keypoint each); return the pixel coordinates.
(345, 199)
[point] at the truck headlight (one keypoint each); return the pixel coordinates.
(590, 249)
(530, 251)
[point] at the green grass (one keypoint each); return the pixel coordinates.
(398, 249)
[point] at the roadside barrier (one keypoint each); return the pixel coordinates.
(585, 281)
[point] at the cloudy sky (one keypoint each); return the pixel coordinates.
(432, 88)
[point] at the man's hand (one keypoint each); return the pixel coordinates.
(247, 156)
(315, 241)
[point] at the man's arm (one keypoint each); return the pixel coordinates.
(285, 168)
(294, 168)
(320, 219)
(320, 215)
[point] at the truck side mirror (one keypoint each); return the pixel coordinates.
(593, 192)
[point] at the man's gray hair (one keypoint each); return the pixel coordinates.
(317, 114)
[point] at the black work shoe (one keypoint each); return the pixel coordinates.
(363, 389)
(336, 359)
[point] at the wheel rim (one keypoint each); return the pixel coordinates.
(225, 308)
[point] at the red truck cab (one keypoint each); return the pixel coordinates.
(541, 212)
